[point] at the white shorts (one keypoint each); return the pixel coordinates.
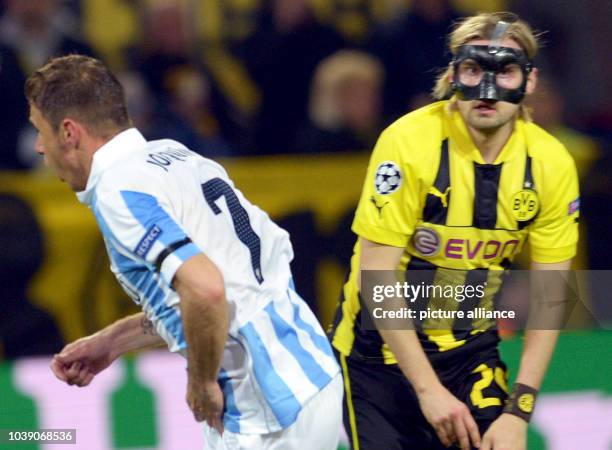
(316, 428)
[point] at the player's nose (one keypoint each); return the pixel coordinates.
(38, 146)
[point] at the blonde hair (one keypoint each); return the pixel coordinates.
(331, 75)
(481, 26)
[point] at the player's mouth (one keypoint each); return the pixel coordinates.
(485, 108)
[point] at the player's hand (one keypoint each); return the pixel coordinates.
(79, 362)
(450, 418)
(508, 432)
(205, 399)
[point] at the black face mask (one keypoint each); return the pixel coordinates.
(491, 61)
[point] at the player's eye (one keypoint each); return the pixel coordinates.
(510, 69)
(470, 73)
(510, 76)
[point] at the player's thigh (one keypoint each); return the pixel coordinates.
(482, 386)
(228, 440)
(485, 390)
(317, 427)
(381, 410)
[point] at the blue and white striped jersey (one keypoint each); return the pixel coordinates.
(158, 204)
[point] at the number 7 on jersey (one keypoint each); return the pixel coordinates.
(215, 189)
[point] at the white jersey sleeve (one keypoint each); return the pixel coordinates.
(139, 220)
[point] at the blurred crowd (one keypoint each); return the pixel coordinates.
(256, 77)
(253, 77)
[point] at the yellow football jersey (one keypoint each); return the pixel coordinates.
(428, 190)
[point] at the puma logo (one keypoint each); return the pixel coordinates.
(379, 208)
(442, 196)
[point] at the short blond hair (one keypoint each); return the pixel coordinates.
(481, 26)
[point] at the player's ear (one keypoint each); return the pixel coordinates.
(70, 132)
(532, 81)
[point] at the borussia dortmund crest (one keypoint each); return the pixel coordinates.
(525, 205)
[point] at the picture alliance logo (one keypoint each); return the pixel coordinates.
(426, 241)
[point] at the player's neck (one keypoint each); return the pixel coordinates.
(491, 142)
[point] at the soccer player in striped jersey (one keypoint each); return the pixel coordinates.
(209, 270)
(452, 192)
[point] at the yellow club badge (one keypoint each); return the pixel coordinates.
(525, 403)
(525, 205)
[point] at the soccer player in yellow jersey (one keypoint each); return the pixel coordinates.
(458, 185)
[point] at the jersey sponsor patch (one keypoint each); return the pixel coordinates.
(573, 207)
(426, 241)
(388, 178)
(147, 241)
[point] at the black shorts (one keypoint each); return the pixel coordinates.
(382, 412)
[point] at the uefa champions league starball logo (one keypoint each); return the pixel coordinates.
(388, 178)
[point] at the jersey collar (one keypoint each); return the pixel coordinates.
(463, 143)
(114, 150)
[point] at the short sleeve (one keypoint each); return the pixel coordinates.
(141, 225)
(554, 234)
(388, 207)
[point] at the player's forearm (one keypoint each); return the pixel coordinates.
(537, 352)
(403, 341)
(205, 322)
(548, 298)
(411, 359)
(131, 333)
